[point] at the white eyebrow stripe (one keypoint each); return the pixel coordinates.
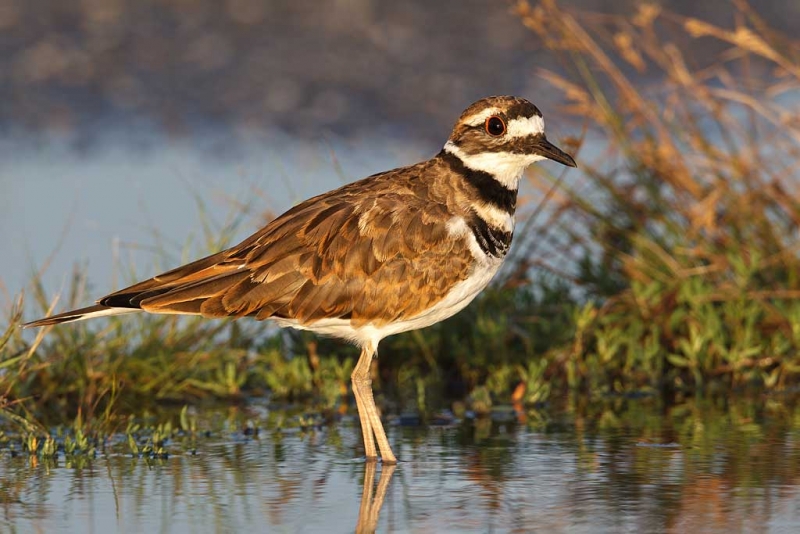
(519, 127)
(481, 117)
(525, 126)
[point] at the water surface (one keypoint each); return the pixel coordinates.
(610, 466)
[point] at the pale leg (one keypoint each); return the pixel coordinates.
(366, 427)
(362, 389)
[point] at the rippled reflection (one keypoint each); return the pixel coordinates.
(615, 465)
(371, 498)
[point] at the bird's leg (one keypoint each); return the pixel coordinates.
(363, 382)
(377, 427)
(359, 376)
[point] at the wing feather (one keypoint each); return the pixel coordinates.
(359, 252)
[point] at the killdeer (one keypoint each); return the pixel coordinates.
(396, 251)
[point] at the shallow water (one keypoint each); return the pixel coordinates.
(611, 466)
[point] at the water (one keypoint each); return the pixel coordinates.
(608, 466)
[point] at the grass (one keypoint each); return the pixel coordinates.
(671, 259)
(683, 234)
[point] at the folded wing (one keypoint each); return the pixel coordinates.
(347, 254)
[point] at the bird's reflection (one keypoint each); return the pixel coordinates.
(372, 498)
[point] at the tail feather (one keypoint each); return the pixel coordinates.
(80, 314)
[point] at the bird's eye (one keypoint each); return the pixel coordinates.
(495, 126)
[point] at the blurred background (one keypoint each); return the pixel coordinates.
(116, 116)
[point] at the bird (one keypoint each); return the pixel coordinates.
(396, 251)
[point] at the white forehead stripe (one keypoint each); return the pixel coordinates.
(525, 126)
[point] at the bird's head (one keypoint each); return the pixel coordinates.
(502, 135)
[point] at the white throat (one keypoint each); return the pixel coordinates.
(505, 167)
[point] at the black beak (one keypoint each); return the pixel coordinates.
(545, 148)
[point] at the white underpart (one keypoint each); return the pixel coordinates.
(505, 167)
(456, 300)
(494, 216)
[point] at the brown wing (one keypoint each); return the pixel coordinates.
(363, 252)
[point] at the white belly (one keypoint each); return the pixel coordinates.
(456, 300)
